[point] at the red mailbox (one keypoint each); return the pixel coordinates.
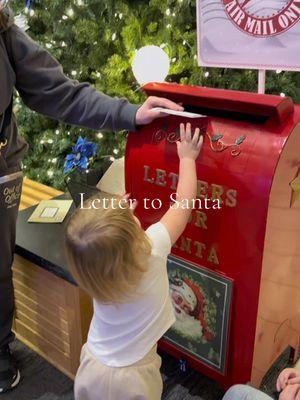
(235, 272)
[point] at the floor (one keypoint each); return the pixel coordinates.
(41, 381)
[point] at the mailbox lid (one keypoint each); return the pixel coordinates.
(237, 102)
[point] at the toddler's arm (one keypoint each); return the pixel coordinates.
(188, 148)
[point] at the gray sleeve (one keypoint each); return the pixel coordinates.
(44, 88)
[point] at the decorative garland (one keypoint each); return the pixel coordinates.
(216, 143)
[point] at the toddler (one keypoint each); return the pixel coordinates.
(124, 269)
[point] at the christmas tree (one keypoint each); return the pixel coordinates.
(95, 41)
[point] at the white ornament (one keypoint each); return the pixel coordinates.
(150, 64)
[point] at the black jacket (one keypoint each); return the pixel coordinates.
(41, 83)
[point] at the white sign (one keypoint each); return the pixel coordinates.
(259, 34)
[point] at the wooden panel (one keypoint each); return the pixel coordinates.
(52, 316)
(278, 323)
(57, 338)
(42, 344)
(49, 315)
(52, 312)
(46, 319)
(34, 192)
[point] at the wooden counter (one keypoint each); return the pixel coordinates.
(52, 314)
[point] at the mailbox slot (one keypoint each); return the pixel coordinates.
(245, 106)
(230, 115)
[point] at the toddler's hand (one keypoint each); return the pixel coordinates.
(189, 146)
(287, 376)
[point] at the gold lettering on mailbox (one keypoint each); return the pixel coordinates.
(174, 179)
(217, 192)
(213, 257)
(185, 244)
(231, 198)
(161, 177)
(200, 247)
(201, 219)
(202, 187)
(147, 174)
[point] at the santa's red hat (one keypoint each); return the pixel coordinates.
(199, 309)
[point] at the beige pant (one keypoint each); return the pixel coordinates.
(140, 381)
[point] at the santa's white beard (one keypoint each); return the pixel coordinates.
(188, 326)
(263, 7)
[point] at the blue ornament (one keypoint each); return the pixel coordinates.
(81, 154)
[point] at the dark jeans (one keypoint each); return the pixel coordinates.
(10, 192)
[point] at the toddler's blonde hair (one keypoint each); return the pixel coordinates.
(107, 252)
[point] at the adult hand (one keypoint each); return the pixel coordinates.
(291, 392)
(287, 376)
(146, 114)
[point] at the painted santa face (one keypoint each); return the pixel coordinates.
(180, 304)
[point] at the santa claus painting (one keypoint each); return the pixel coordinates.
(189, 305)
(201, 300)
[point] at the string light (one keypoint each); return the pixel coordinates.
(282, 94)
(114, 36)
(50, 173)
(115, 151)
(64, 17)
(168, 12)
(70, 12)
(57, 132)
(50, 141)
(73, 73)
(278, 71)
(54, 160)
(206, 74)
(99, 135)
(31, 13)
